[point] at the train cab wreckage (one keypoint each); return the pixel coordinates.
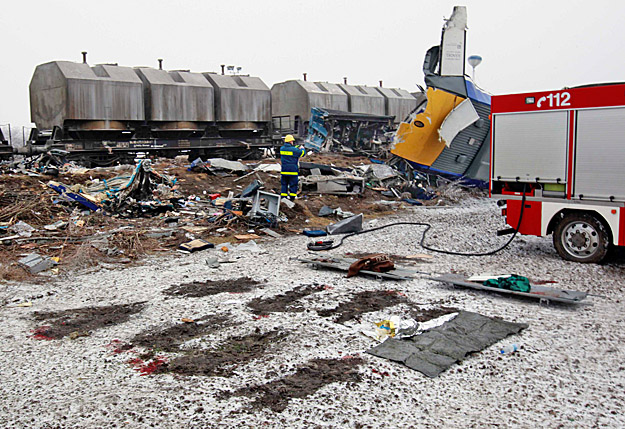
(448, 132)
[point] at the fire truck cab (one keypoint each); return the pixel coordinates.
(562, 153)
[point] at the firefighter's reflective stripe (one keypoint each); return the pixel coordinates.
(292, 194)
(284, 194)
(303, 153)
(290, 173)
(284, 152)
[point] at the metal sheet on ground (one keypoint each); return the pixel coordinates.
(542, 293)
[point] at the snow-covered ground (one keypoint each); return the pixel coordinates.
(570, 371)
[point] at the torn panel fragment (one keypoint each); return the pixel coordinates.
(463, 115)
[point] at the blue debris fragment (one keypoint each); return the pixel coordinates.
(73, 196)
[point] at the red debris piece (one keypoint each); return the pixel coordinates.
(150, 367)
(384, 373)
(41, 333)
(260, 316)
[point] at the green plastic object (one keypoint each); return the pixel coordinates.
(514, 282)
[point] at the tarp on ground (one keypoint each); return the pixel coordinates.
(437, 349)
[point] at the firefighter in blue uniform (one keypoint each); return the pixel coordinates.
(289, 156)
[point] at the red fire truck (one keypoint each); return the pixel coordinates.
(558, 166)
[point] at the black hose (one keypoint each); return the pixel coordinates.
(427, 228)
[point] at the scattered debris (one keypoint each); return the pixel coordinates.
(325, 211)
(265, 204)
(105, 215)
(378, 263)
(339, 131)
(196, 245)
(145, 192)
(271, 233)
(244, 237)
(59, 224)
(36, 263)
(351, 224)
(314, 233)
(22, 229)
(396, 327)
(250, 246)
(343, 184)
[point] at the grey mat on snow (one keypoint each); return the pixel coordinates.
(435, 350)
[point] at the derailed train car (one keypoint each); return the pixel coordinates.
(107, 112)
(449, 133)
(334, 117)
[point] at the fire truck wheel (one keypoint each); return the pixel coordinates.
(580, 237)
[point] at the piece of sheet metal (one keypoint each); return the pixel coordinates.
(542, 293)
(460, 117)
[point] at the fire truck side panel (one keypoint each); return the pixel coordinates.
(530, 146)
(537, 216)
(600, 155)
(611, 216)
(591, 96)
(532, 216)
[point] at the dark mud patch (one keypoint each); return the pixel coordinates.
(286, 302)
(423, 315)
(169, 339)
(308, 379)
(81, 321)
(223, 361)
(364, 302)
(212, 287)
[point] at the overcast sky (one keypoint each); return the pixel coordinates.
(527, 45)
